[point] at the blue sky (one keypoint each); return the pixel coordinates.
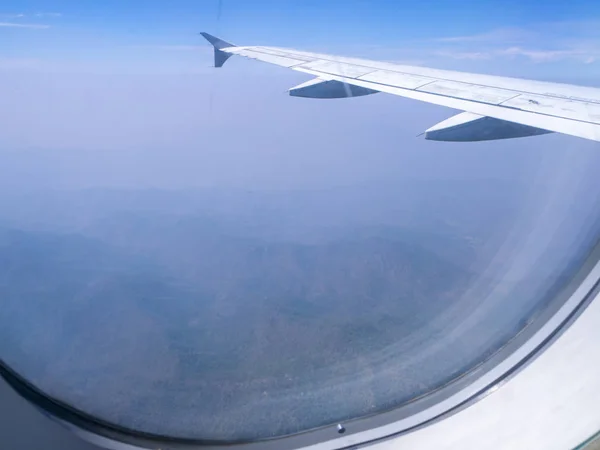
(477, 34)
(122, 92)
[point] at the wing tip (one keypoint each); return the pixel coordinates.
(216, 42)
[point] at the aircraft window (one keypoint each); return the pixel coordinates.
(217, 315)
(200, 259)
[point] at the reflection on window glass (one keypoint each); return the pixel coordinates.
(246, 314)
(201, 257)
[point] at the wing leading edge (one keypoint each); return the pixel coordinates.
(495, 107)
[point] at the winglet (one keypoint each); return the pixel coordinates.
(218, 44)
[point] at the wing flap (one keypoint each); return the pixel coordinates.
(402, 80)
(278, 52)
(466, 91)
(279, 60)
(558, 107)
(337, 68)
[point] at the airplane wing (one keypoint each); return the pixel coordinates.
(495, 107)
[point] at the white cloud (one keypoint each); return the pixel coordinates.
(18, 16)
(48, 14)
(12, 16)
(21, 15)
(536, 56)
(539, 43)
(473, 56)
(550, 55)
(23, 25)
(505, 35)
(13, 20)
